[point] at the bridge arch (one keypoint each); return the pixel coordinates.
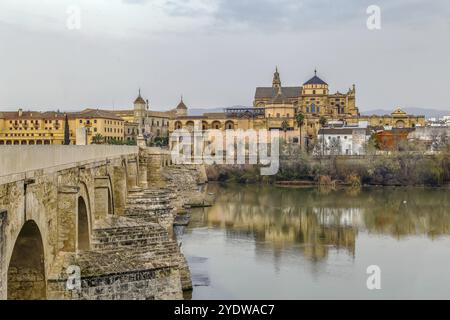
(26, 278)
(83, 219)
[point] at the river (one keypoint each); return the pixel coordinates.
(267, 242)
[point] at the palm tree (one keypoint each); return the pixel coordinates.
(284, 126)
(98, 139)
(323, 121)
(300, 119)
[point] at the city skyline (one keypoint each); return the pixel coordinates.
(215, 53)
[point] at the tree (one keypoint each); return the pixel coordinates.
(323, 122)
(300, 119)
(284, 126)
(335, 147)
(66, 131)
(98, 139)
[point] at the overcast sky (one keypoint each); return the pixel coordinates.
(215, 52)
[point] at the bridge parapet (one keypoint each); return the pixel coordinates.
(18, 160)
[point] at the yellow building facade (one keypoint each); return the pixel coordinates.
(276, 107)
(39, 128)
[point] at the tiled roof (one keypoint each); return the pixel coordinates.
(269, 92)
(315, 80)
(139, 99)
(181, 105)
(279, 98)
(96, 113)
(335, 131)
(32, 115)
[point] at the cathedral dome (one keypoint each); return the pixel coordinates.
(139, 99)
(181, 105)
(315, 80)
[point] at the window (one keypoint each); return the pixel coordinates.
(81, 121)
(314, 91)
(95, 121)
(278, 115)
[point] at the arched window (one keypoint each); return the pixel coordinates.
(313, 108)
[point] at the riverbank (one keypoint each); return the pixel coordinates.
(396, 169)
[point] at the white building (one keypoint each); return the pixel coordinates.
(344, 140)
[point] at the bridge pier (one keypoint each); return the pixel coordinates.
(143, 176)
(67, 218)
(132, 174)
(120, 188)
(102, 198)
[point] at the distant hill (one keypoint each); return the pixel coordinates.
(428, 113)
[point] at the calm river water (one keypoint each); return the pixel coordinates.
(265, 242)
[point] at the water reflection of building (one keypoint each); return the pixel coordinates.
(314, 223)
(285, 227)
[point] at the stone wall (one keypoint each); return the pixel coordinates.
(3, 266)
(130, 199)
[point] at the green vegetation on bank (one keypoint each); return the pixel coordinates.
(408, 167)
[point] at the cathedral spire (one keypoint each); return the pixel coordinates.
(276, 83)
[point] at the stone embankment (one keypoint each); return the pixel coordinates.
(135, 255)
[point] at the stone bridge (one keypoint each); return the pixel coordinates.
(91, 222)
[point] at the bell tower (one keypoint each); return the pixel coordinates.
(276, 82)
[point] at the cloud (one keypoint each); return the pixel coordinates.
(217, 51)
(135, 1)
